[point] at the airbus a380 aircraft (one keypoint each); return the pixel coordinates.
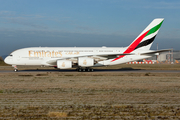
(85, 57)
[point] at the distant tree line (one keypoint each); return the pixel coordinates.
(1, 59)
(2, 63)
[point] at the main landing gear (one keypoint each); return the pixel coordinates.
(84, 69)
(15, 68)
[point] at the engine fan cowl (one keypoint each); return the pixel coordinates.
(85, 62)
(64, 64)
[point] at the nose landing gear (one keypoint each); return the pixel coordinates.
(15, 68)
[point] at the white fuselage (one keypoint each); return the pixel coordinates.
(48, 56)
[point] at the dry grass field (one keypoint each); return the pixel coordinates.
(90, 95)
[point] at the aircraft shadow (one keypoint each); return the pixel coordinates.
(74, 70)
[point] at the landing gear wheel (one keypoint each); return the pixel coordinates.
(89, 69)
(84, 69)
(15, 68)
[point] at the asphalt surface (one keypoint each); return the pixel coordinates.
(95, 70)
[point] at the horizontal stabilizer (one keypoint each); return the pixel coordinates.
(158, 51)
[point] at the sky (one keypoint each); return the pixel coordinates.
(85, 23)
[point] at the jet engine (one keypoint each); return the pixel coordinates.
(64, 64)
(85, 62)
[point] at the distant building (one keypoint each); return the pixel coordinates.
(171, 56)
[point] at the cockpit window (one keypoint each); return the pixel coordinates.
(11, 55)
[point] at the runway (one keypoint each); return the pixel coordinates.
(95, 70)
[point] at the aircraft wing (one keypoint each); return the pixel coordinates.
(157, 51)
(97, 57)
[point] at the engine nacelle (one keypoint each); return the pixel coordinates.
(85, 62)
(64, 64)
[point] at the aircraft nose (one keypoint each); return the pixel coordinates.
(7, 60)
